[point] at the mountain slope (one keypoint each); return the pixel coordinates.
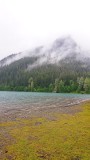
(62, 60)
(51, 53)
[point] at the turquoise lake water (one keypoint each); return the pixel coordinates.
(14, 100)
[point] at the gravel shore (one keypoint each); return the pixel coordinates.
(27, 112)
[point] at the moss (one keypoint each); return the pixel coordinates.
(66, 138)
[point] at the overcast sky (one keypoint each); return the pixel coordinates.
(28, 23)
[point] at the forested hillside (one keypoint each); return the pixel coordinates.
(42, 73)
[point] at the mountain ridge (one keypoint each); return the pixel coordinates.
(58, 50)
(59, 67)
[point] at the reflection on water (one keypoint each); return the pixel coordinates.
(14, 100)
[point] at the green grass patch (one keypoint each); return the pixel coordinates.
(66, 138)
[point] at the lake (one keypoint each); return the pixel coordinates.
(32, 100)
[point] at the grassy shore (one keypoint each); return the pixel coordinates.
(55, 136)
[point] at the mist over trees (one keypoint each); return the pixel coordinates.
(62, 78)
(59, 67)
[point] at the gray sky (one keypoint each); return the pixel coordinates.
(28, 23)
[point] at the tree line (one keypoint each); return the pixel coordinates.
(61, 78)
(82, 85)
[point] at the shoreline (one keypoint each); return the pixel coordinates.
(26, 113)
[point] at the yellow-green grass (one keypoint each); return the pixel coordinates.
(66, 137)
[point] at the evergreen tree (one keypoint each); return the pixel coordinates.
(31, 84)
(73, 86)
(51, 87)
(87, 85)
(56, 89)
(61, 86)
(80, 84)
